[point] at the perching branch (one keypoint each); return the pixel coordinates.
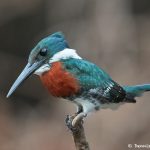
(78, 133)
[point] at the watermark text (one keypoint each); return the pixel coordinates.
(139, 146)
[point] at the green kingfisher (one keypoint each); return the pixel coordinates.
(66, 75)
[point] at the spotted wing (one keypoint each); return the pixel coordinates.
(94, 82)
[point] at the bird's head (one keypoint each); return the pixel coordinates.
(48, 47)
(41, 55)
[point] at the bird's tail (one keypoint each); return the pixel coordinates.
(135, 91)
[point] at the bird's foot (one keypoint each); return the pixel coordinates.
(79, 117)
(73, 121)
(68, 121)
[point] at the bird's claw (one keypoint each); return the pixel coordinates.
(68, 121)
(77, 118)
(72, 121)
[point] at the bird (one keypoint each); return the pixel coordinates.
(67, 75)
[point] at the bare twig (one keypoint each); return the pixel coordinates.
(78, 134)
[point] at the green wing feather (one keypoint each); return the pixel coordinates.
(94, 81)
(89, 75)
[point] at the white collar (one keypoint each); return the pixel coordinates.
(65, 54)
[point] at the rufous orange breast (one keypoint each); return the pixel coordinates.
(59, 82)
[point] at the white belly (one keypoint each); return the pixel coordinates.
(86, 104)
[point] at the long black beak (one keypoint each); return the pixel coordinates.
(27, 71)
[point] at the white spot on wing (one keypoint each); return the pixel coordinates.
(93, 90)
(108, 89)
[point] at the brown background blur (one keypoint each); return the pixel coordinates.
(114, 34)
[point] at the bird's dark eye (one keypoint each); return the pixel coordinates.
(43, 52)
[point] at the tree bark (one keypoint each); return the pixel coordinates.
(78, 134)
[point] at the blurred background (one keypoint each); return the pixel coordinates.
(113, 34)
